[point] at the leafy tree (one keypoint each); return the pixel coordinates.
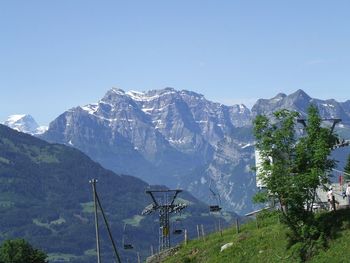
(292, 169)
(275, 142)
(347, 168)
(20, 251)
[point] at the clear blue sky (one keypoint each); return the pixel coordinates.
(61, 53)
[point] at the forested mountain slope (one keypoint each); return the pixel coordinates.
(45, 197)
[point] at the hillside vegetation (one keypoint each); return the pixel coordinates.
(45, 198)
(267, 242)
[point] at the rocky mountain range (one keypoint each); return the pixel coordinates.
(177, 138)
(180, 139)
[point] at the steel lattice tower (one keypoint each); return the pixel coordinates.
(164, 202)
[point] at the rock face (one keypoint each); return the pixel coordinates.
(24, 123)
(179, 138)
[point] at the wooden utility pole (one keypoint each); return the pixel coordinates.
(98, 203)
(237, 226)
(93, 183)
(108, 230)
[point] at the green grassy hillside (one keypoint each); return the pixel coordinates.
(266, 243)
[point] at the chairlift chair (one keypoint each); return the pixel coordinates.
(177, 230)
(126, 246)
(215, 207)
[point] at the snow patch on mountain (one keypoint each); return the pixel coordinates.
(41, 130)
(91, 108)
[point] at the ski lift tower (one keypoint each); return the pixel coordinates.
(164, 202)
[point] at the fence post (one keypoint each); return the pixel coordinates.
(333, 203)
(198, 235)
(237, 226)
(186, 237)
(220, 229)
(202, 228)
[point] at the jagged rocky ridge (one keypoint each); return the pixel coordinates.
(179, 138)
(299, 101)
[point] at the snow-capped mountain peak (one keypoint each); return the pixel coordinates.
(24, 123)
(16, 117)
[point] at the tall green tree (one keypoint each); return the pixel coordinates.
(293, 168)
(20, 251)
(275, 140)
(347, 168)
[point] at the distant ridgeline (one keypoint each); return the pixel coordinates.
(45, 198)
